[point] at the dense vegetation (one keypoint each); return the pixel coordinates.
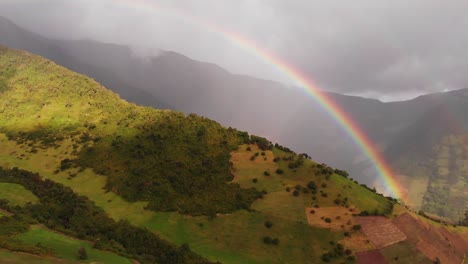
(176, 162)
(61, 209)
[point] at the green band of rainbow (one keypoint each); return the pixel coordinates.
(343, 119)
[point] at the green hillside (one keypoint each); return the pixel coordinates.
(125, 182)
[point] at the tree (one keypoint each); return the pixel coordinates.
(266, 173)
(268, 224)
(82, 255)
(280, 171)
(311, 185)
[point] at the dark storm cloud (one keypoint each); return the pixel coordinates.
(386, 49)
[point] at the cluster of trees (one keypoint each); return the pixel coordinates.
(180, 163)
(337, 252)
(263, 143)
(299, 161)
(388, 210)
(65, 211)
(285, 149)
(10, 226)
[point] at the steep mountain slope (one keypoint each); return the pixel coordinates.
(122, 177)
(17, 37)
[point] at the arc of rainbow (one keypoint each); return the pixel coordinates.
(342, 118)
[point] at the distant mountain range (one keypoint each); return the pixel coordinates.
(407, 132)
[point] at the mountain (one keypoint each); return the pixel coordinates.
(84, 174)
(17, 37)
(407, 132)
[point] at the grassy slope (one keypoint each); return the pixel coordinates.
(8, 257)
(16, 194)
(67, 248)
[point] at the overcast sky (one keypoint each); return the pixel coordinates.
(383, 49)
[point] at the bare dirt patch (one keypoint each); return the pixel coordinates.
(370, 257)
(357, 242)
(431, 241)
(341, 217)
(380, 230)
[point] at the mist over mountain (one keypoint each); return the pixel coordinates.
(406, 132)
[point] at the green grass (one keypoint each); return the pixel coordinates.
(9, 257)
(67, 248)
(16, 194)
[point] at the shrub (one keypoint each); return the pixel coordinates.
(266, 173)
(82, 255)
(267, 240)
(268, 224)
(311, 185)
(279, 171)
(328, 220)
(270, 241)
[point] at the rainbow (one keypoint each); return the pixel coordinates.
(393, 188)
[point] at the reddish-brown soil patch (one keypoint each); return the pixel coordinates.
(457, 241)
(431, 241)
(370, 257)
(380, 230)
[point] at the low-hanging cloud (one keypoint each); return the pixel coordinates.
(385, 49)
